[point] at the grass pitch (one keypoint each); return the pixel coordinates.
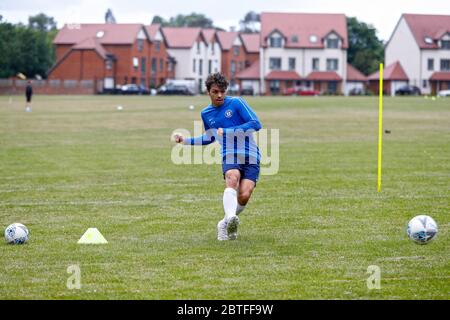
(309, 232)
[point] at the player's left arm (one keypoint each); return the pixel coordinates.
(251, 121)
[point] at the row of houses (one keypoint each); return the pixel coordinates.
(292, 49)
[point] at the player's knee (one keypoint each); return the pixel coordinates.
(232, 179)
(244, 196)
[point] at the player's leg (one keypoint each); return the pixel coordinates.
(232, 177)
(246, 187)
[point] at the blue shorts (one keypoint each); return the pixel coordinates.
(248, 171)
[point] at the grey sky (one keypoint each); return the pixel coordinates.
(382, 14)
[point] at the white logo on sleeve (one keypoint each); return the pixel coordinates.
(228, 113)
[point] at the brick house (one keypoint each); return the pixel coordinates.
(394, 77)
(162, 66)
(114, 54)
(303, 49)
(421, 43)
(233, 56)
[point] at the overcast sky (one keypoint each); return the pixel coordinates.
(382, 14)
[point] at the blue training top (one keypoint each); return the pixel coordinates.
(238, 121)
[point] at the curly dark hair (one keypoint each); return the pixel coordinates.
(217, 79)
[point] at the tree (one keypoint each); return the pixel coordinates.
(365, 51)
(109, 17)
(41, 22)
(180, 20)
(251, 22)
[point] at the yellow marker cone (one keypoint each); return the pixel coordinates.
(92, 236)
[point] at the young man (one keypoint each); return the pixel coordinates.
(231, 122)
(28, 95)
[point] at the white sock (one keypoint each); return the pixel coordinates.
(239, 208)
(229, 202)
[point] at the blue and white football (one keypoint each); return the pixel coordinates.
(16, 233)
(422, 229)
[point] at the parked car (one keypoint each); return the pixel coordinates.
(247, 91)
(175, 90)
(408, 90)
(444, 93)
(356, 92)
(134, 89)
(300, 91)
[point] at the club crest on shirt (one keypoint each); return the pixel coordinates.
(228, 113)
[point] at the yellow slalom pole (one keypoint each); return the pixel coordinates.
(380, 126)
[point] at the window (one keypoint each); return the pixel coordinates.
(275, 42)
(332, 86)
(445, 44)
(135, 63)
(445, 64)
(274, 86)
(140, 45)
(332, 64)
(424, 83)
(109, 64)
(332, 43)
(233, 68)
(143, 64)
(430, 64)
(154, 62)
(194, 66)
(294, 39)
(236, 50)
(275, 63)
(315, 64)
(161, 65)
(212, 48)
(209, 66)
(291, 63)
(157, 46)
(241, 66)
(200, 67)
(198, 47)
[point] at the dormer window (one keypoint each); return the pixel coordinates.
(275, 42)
(294, 39)
(313, 38)
(332, 43)
(445, 44)
(100, 34)
(428, 40)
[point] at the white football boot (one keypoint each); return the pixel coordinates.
(232, 225)
(222, 233)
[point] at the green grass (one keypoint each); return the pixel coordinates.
(309, 232)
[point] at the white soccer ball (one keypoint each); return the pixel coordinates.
(422, 229)
(191, 107)
(120, 108)
(16, 233)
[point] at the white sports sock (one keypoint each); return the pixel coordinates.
(239, 208)
(229, 202)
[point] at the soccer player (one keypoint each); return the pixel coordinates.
(28, 95)
(231, 122)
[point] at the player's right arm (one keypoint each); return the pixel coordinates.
(206, 138)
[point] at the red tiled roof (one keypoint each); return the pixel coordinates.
(184, 37)
(283, 75)
(251, 42)
(251, 73)
(303, 26)
(354, 74)
(426, 25)
(112, 33)
(226, 39)
(440, 76)
(152, 30)
(91, 44)
(394, 71)
(209, 34)
(323, 76)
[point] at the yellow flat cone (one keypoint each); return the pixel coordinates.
(92, 236)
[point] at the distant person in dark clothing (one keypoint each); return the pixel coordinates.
(28, 94)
